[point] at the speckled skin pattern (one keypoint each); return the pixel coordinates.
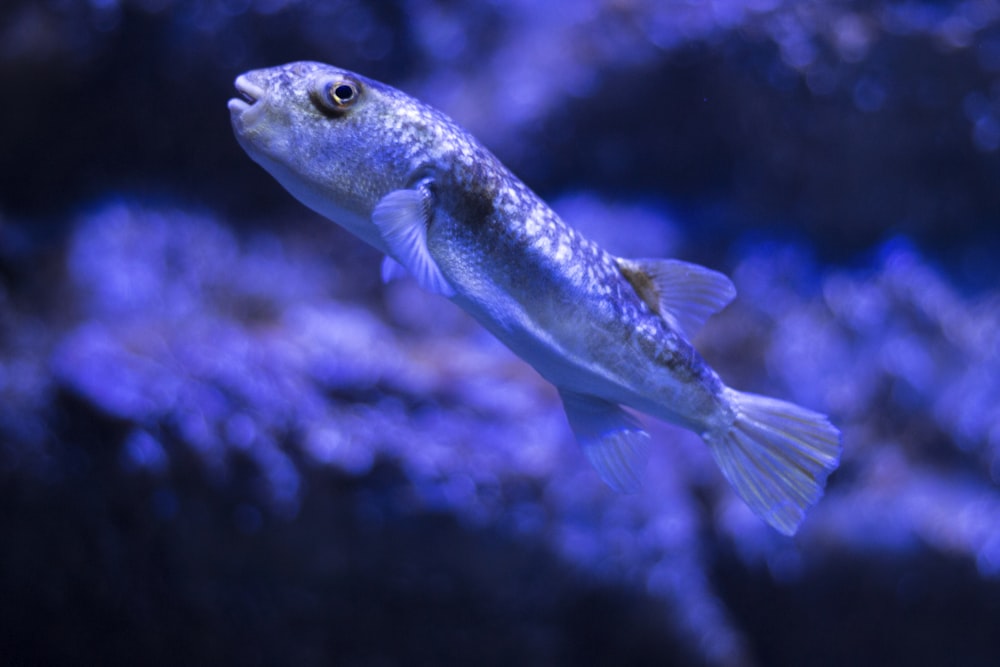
(555, 298)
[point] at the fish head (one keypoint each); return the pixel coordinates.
(327, 135)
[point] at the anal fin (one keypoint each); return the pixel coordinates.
(611, 439)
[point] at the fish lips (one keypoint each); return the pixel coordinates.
(242, 108)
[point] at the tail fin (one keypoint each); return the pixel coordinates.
(777, 456)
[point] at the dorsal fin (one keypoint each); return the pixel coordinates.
(683, 294)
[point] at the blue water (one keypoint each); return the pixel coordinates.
(214, 416)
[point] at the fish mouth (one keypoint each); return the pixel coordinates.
(250, 93)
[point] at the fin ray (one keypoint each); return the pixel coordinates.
(682, 293)
(402, 217)
(611, 439)
(777, 456)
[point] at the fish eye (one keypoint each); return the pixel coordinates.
(341, 94)
(337, 94)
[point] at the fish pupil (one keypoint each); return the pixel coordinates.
(343, 93)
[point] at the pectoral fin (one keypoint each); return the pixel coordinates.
(402, 217)
(683, 294)
(391, 270)
(612, 440)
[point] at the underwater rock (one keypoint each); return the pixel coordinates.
(198, 343)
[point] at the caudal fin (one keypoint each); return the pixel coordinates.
(777, 456)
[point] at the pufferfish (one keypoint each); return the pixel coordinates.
(607, 331)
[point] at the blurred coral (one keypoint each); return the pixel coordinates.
(215, 423)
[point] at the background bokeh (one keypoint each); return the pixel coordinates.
(222, 440)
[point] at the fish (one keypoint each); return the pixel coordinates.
(611, 333)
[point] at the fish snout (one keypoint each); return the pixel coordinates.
(250, 93)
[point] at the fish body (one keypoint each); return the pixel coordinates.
(606, 331)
